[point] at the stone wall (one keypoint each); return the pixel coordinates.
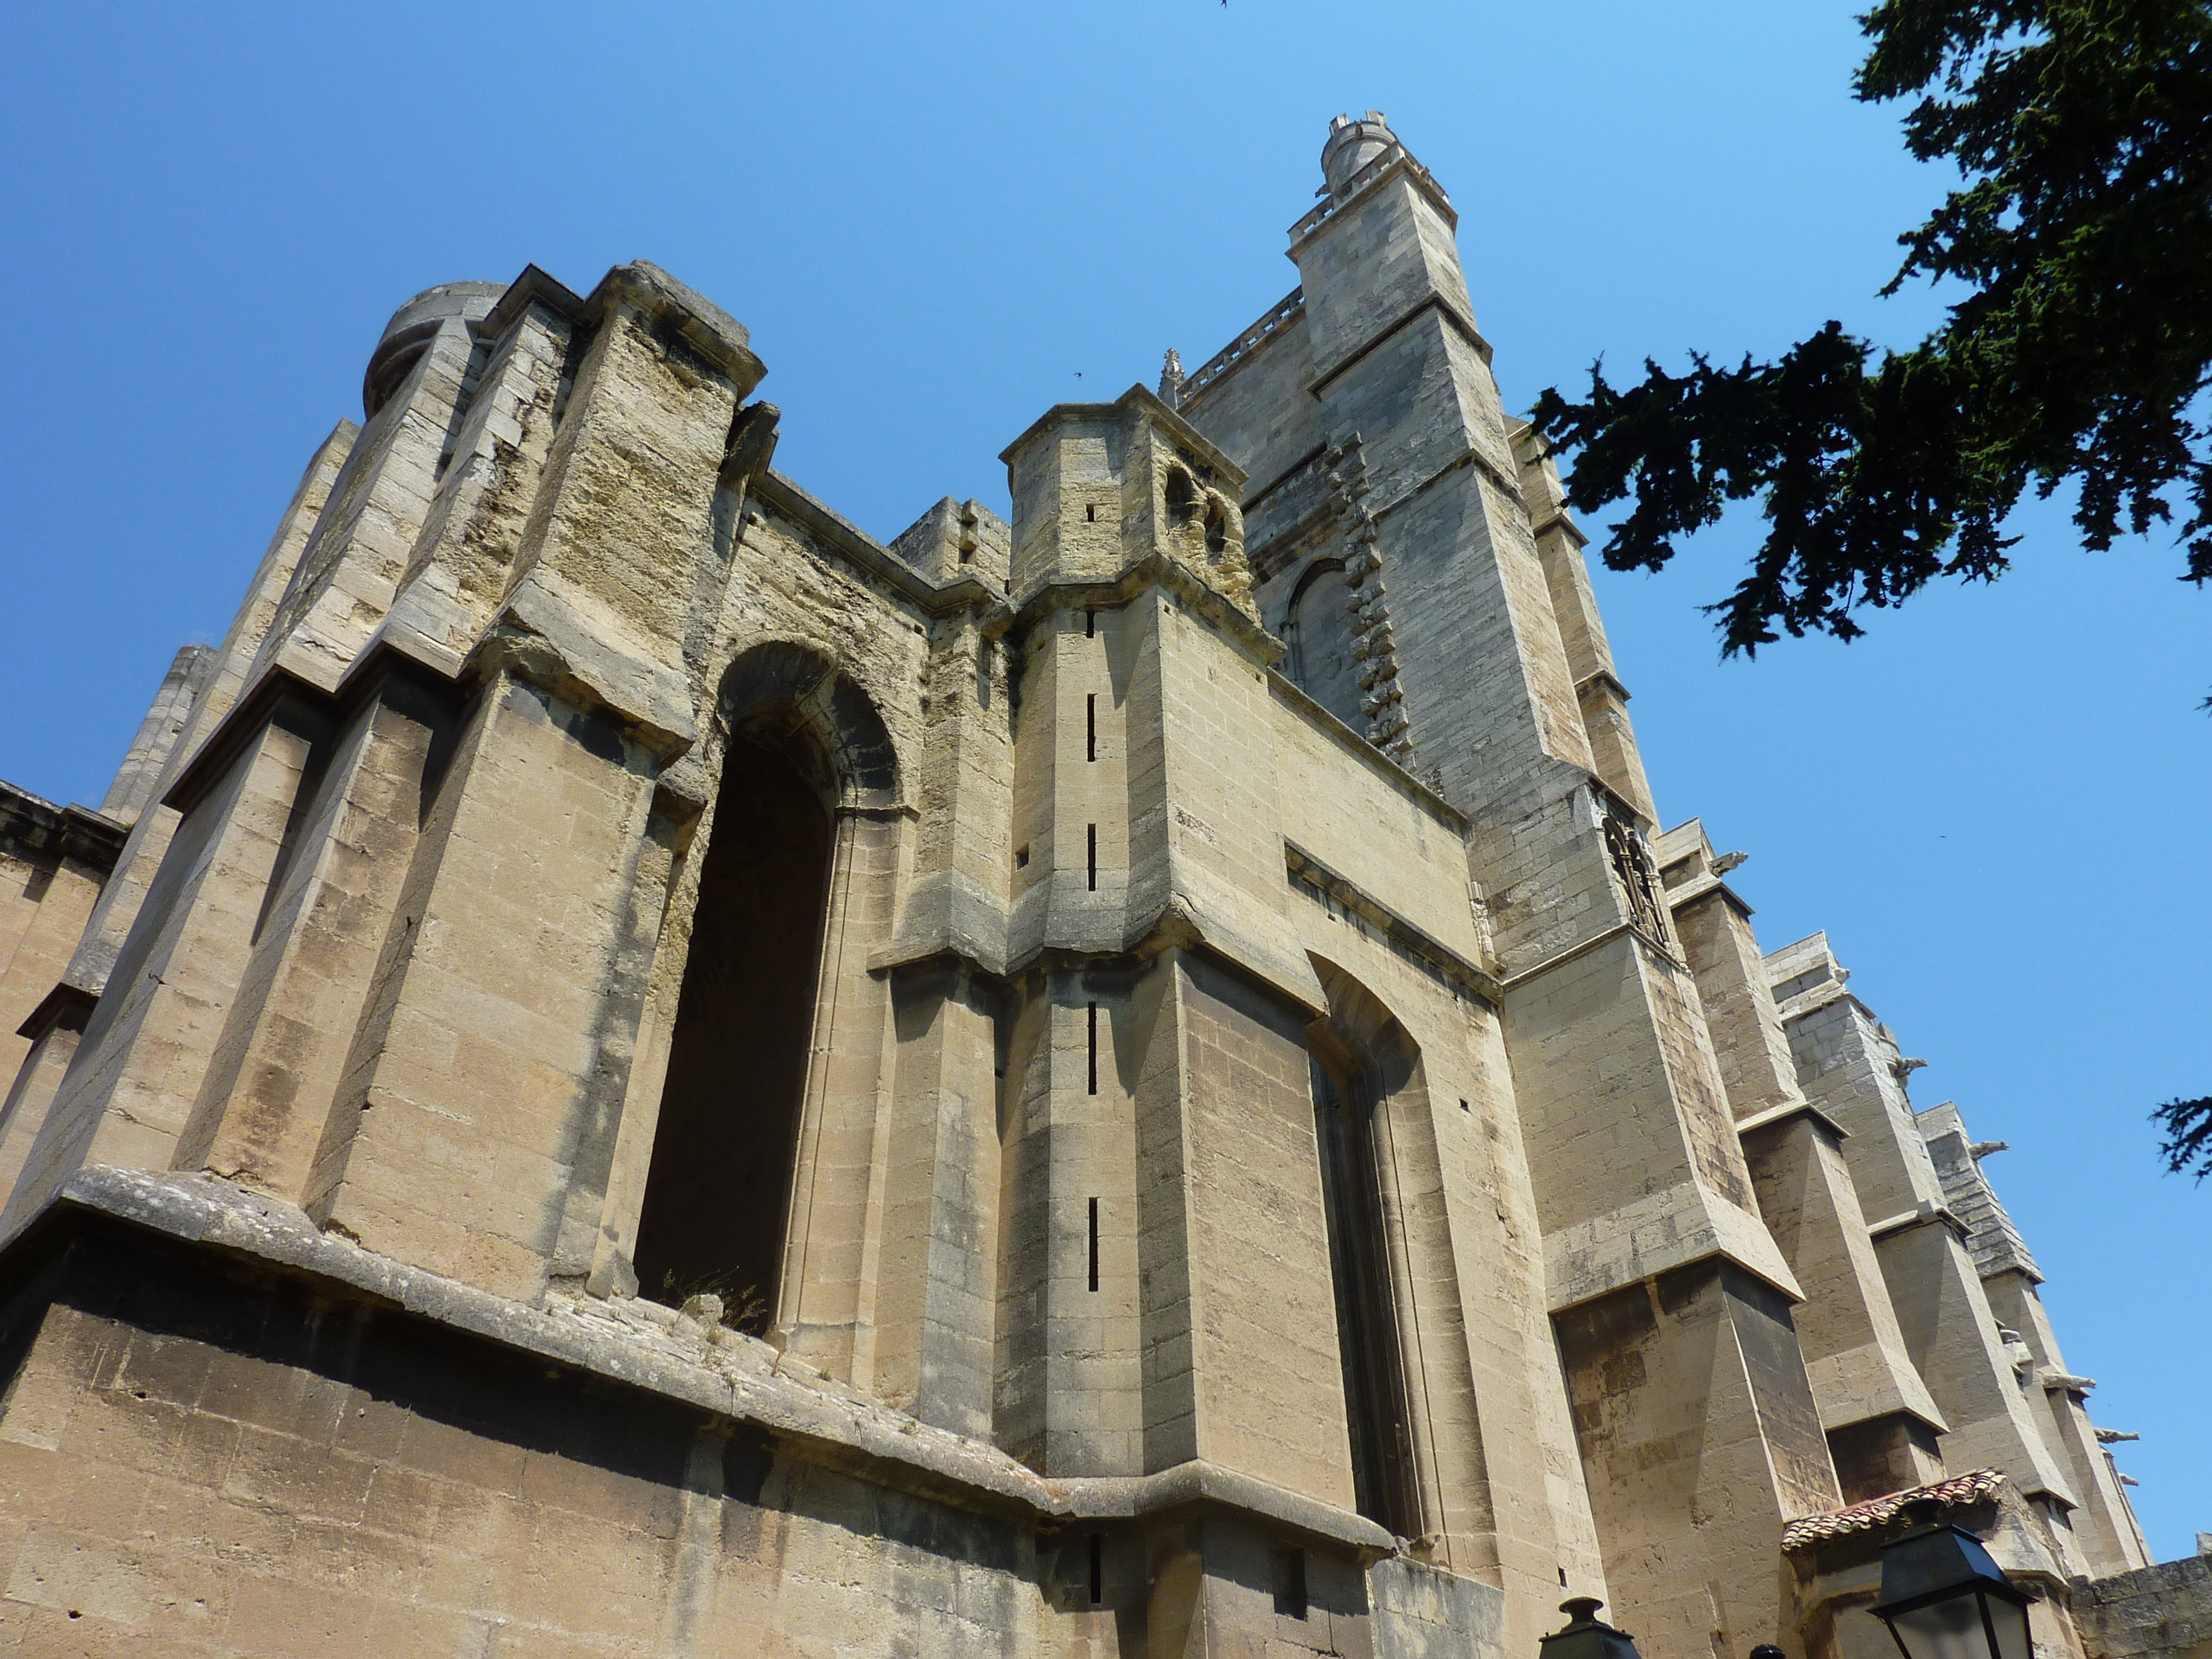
(224, 1433)
(198, 1458)
(2163, 1612)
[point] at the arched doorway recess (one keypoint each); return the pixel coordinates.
(802, 741)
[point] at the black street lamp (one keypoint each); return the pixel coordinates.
(1942, 1597)
(1586, 1637)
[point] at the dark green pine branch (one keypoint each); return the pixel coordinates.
(2188, 1143)
(2083, 232)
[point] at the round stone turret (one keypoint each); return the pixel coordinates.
(408, 335)
(1351, 145)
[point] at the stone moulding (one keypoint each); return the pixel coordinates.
(1788, 1111)
(1348, 740)
(533, 287)
(788, 500)
(247, 715)
(1453, 315)
(1470, 457)
(1392, 162)
(1284, 312)
(714, 1369)
(703, 327)
(1252, 502)
(1139, 398)
(1041, 601)
(1437, 959)
(89, 838)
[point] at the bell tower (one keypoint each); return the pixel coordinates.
(1365, 405)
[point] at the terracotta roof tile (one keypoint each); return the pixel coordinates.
(1969, 1488)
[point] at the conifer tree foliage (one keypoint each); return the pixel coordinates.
(2082, 233)
(2188, 1143)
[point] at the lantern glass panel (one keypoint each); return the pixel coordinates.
(1949, 1629)
(2009, 1620)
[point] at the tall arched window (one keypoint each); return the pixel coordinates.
(1348, 1088)
(717, 1196)
(1318, 629)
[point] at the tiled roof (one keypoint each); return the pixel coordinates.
(1969, 1488)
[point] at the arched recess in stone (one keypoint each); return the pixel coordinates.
(803, 755)
(1416, 1470)
(1317, 627)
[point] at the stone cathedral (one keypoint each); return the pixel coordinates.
(626, 1069)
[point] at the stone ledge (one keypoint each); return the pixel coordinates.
(36, 825)
(719, 339)
(838, 534)
(1788, 1110)
(810, 1416)
(1437, 958)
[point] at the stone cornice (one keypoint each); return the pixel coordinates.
(1698, 889)
(839, 535)
(808, 1416)
(1561, 522)
(718, 338)
(1582, 947)
(1927, 1212)
(532, 287)
(76, 834)
(1045, 600)
(276, 684)
(1394, 163)
(1449, 310)
(1137, 399)
(1604, 679)
(1786, 1112)
(1435, 958)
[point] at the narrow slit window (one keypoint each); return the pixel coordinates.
(1090, 726)
(1090, 624)
(1097, 1565)
(1090, 513)
(1090, 835)
(1094, 1243)
(1092, 1010)
(1290, 1585)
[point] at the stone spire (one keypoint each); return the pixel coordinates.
(1171, 379)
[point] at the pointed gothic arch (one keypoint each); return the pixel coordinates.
(1362, 1062)
(796, 744)
(1317, 627)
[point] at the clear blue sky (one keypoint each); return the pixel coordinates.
(934, 219)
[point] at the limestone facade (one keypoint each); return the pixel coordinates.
(627, 1069)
